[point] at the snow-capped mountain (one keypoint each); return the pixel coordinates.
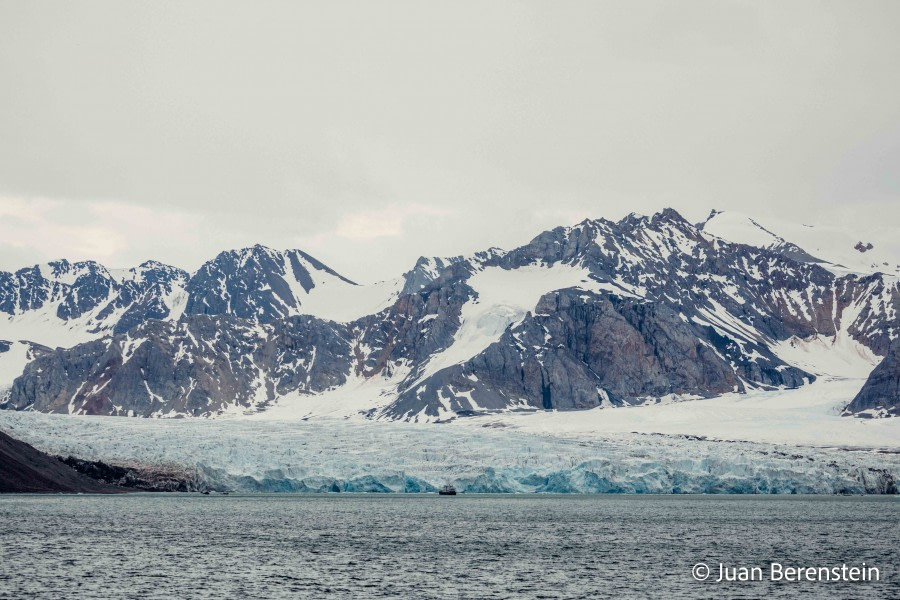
(602, 313)
(640, 309)
(60, 304)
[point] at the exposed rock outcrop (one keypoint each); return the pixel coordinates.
(144, 479)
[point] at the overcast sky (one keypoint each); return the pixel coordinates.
(369, 133)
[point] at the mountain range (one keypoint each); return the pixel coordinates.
(647, 309)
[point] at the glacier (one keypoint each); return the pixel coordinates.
(478, 455)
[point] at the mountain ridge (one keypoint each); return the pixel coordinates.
(459, 335)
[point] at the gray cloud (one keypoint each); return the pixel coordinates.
(371, 132)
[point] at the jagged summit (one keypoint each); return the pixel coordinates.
(671, 215)
(259, 254)
(259, 283)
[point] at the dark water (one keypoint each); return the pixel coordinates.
(187, 546)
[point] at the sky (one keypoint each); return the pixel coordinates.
(370, 133)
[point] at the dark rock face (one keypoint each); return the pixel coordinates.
(877, 300)
(94, 285)
(24, 469)
(410, 331)
(425, 271)
(26, 289)
(880, 396)
(148, 295)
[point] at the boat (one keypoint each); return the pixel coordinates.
(447, 490)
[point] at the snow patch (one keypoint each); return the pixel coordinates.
(337, 300)
(839, 356)
(12, 363)
(503, 298)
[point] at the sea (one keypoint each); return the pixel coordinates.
(424, 546)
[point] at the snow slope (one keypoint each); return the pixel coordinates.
(809, 415)
(832, 244)
(42, 326)
(740, 228)
(334, 300)
(333, 297)
(12, 362)
(806, 416)
(840, 356)
(357, 396)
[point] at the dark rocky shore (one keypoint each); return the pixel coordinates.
(25, 469)
(138, 479)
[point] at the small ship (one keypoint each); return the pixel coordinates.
(447, 490)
